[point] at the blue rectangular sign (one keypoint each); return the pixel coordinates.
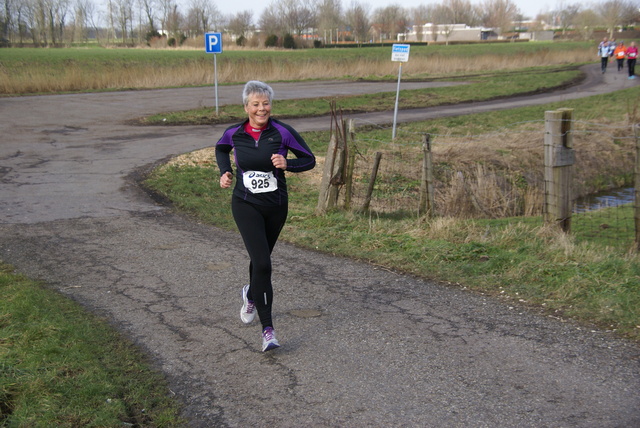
(401, 48)
(400, 53)
(213, 42)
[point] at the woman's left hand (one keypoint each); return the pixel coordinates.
(279, 161)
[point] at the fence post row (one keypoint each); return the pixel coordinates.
(559, 158)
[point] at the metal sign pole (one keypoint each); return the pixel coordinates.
(399, 53)
(395, 110)
(215, 71)
(213, 44)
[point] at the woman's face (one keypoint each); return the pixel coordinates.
(259, 109)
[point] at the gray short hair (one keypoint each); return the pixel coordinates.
(255, 87)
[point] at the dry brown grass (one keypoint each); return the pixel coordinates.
(496, 175)
(491, 176)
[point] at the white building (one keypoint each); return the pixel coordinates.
(446, 33)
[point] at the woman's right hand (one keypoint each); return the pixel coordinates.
(226, 179)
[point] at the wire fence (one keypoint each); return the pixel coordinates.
(497, 175)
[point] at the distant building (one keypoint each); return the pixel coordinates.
(445, 33)
(463, 33)
(538, 36)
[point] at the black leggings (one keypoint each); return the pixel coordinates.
(259, 227)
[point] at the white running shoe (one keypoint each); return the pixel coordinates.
(248, 311)
(269, 340)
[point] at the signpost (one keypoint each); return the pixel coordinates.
(399, 53)
(213, 44)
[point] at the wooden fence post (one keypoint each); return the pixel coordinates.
(372, 182)
(334, 167)
(351, 161)
(427, 204)
(559, 158)
(636, 204)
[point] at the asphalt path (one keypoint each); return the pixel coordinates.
(362, 346)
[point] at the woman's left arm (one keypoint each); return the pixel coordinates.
(304, 157)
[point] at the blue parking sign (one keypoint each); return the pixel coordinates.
(213, 42)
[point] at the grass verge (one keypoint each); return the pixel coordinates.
(480, 87)
(63, 367)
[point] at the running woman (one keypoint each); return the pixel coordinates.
(259, 202)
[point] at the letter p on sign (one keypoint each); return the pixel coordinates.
(213, 42)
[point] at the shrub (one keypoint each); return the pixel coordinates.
(289, 42)
(240, 41)
(271, 42)
(153, 34)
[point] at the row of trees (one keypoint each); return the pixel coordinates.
(53, 22)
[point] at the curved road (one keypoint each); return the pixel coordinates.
(361, 346)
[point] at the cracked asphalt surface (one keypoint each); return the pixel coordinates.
(362, 346)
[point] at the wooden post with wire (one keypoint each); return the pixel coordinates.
(426, 205)
(372, 182)
(351, 162)
(559, 158)
(334, 166)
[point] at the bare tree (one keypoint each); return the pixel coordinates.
(91, 17)
(174, 22)
(357, 19)
(271, 22)
(166, 9)
(329, 17)
(80, 21)
(499, 14)
(123, 15)
(6, 19)
(49, 19)
(419, 16)
(202, 16)
(444, 17)
(288, 16)
(462, 12)
(148, 9)
(615, 13)
(241, 23)
(565, 15)
(391, 20)
(297, 15)
(585, 23)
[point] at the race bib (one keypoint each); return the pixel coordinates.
(260, 181)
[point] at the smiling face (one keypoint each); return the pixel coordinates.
(258, 108)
